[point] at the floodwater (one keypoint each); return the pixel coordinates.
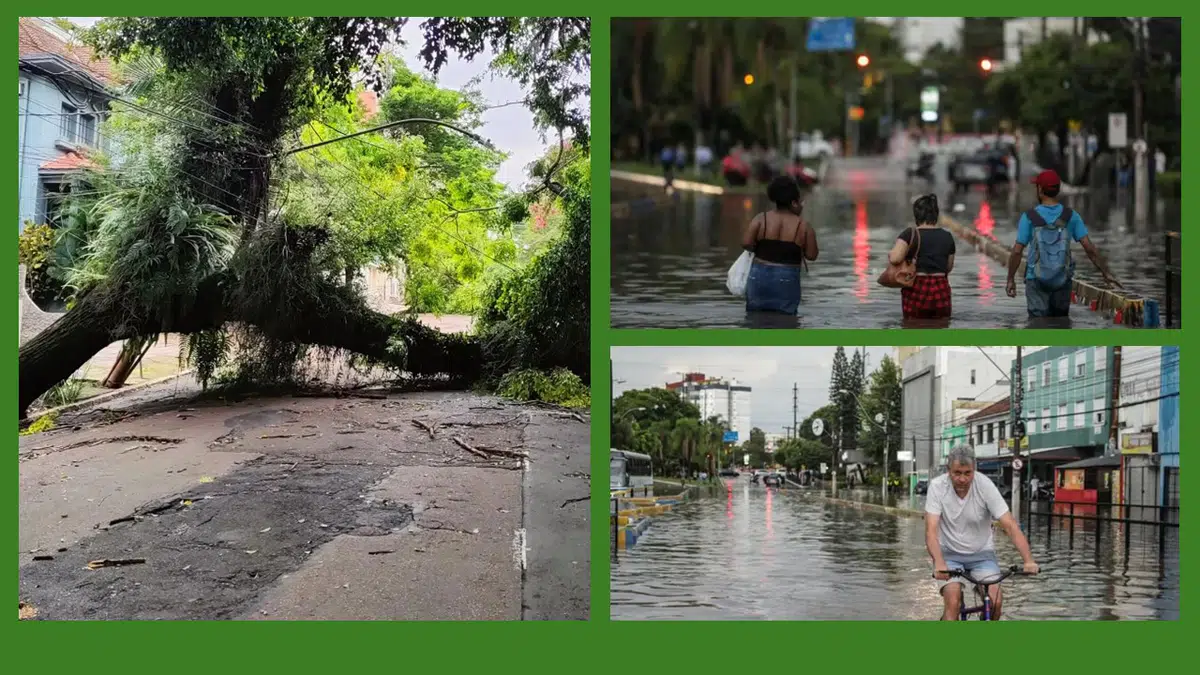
(670, 257)
(766, 554)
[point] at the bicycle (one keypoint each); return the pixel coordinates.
(984, 610)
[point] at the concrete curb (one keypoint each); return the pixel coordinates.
(678, 184)
(108, 396)
(1130, 310)
(880, 508)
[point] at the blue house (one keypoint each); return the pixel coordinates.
(64, 98)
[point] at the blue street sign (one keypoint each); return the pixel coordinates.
(731, 437)
(831, 34)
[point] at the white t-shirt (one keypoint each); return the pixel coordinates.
(965, 525)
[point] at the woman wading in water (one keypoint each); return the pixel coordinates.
(929, 296)
(781, 243)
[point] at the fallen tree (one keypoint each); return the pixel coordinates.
(188, 243)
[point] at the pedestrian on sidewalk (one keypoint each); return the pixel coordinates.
(933, 249)
(1047, 229)
(781, 243)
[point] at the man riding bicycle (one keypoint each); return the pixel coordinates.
(959, 510)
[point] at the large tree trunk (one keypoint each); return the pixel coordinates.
(92, 325)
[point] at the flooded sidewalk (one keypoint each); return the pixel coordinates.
(446, 506)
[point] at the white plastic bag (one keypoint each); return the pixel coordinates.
(739, 273)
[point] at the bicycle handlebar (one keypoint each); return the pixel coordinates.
(1015, 569)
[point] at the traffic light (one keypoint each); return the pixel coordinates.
(986, 65)
(748, 79)
(863, 60)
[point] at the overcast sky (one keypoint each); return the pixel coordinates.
(510, 128)
(770, 372)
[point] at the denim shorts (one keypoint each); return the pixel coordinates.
(982, 568)
(773, 288)
(1046, 303)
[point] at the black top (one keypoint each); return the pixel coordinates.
(937, 245)
(779, 251)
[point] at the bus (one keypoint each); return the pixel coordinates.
(629, 470)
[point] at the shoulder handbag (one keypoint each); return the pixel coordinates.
(904, 274)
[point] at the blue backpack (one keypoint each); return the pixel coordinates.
(1050, 250)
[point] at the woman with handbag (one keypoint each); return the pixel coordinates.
(920, 263)
(781, 243)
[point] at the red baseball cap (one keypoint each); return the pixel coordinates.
(1046, 179)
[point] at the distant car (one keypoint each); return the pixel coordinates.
(772, 480)
(986, 166)
(922, 486)
(729, 473)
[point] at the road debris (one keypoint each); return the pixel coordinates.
(97, 564)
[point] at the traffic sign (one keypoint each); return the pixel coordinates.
(1018, 464)
(1117, 130)
(818, 427)
(1139, 146)
(731, 436)
(830, 34)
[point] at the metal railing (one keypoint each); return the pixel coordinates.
(1172, 312)
(1103, 513)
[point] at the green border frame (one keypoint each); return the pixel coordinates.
(853, 646)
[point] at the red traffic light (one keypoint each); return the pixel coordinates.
(863, 60)
(986, 65)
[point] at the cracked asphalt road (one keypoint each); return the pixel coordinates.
(311, 508)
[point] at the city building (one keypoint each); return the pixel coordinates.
(1147, 426)
(1066, 405)
(1020, 33)
(987, 433)
(937, 381)
(64, 94)
(717, 397)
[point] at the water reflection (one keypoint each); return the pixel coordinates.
(789, 555)
(669, 263)
(862, 249)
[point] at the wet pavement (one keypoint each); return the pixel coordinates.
(670, 256)
(759, 554)
(308, 507)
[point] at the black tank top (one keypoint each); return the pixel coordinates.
(778, 251)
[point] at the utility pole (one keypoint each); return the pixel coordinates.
(1113, 426)
(912, 470)
(795, 403)
(884, 488)
(1016, 399)
(787, 432)
(1141, 185)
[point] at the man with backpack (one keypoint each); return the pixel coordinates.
(1047, 230)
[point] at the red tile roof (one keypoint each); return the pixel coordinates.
(993, 409)
(35, 38)
(71, 161)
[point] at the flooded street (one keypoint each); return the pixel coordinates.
(758, 554)
(670, 257)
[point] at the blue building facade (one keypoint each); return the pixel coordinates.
(64, 98)
(1168, 427)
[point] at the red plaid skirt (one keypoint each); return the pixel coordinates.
(929, 298)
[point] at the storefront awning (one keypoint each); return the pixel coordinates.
(1065, 453)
